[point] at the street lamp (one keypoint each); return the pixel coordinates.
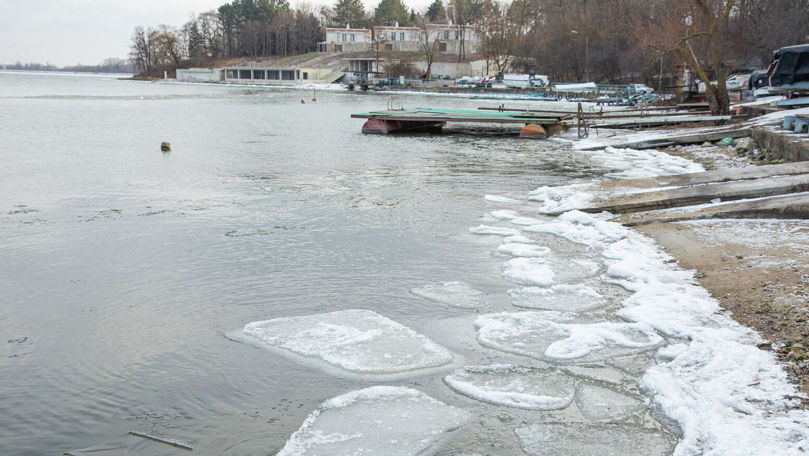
(586, 54)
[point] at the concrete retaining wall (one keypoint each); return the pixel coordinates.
(778, 145)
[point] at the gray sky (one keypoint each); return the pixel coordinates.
(67, 32)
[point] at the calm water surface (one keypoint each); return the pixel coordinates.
(122, 268)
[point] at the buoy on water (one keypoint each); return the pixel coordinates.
(165, 146)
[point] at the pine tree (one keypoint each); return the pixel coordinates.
(436, 13)
(348, 12)
(390, 11)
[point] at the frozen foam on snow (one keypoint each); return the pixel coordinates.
(634, 164)
(359, 341)
(493, 230)
(592, 439)
(389, 420)
(603, 403)
(563, 298)
(529, 271)
(514, 386)
(581, 228)
(500, 199)
(518, 249)
(559, 199)
(455, 294)
(532, 334)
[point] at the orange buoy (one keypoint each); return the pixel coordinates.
(533, 131)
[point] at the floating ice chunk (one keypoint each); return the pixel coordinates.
(504, 214)
(592, 439)
(519, 239)
(455, 294)
(534, 335)
(500, 199)
(602, 403)
(562, 198)
(564, 298)
(529, 271)
(575, 269)
(389, 420)
(514, 386)
(493, 230)
(518, 249)
(359, 341)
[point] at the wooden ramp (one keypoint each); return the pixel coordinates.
(413, 119)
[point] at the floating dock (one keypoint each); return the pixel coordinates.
(427, 119)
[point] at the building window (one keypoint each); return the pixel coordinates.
(388, 47)
(258, 74)
(442, 47)
(401, 36)
(245, 74)
(232, 74)
(305, 75)
(456, 35)
(446, 34)
(273, 74)
(344, 36)
(338, 48)
(352, 37)
(287, 75)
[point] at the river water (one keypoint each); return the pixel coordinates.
(123, 269)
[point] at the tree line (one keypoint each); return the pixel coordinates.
(604, 41)
(109, 65)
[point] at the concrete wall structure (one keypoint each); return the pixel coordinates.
(200, 75)
(277, 76)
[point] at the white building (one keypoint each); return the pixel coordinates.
(345, 40)
(448, 38)
(398, 39)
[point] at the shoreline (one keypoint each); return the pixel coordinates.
(761, 280)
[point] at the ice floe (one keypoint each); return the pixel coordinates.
(493, 230)
(455, 294)
(544, 272)
(521, 249)
(593, 439)
(504, 214)
(529, 271)
(358, 341)
(563, 298)
(500, 199)
(517, 239)
(380, 420)
(603, 403)
(514, 386)
(534, 335)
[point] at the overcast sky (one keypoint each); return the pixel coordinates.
(67, 32)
